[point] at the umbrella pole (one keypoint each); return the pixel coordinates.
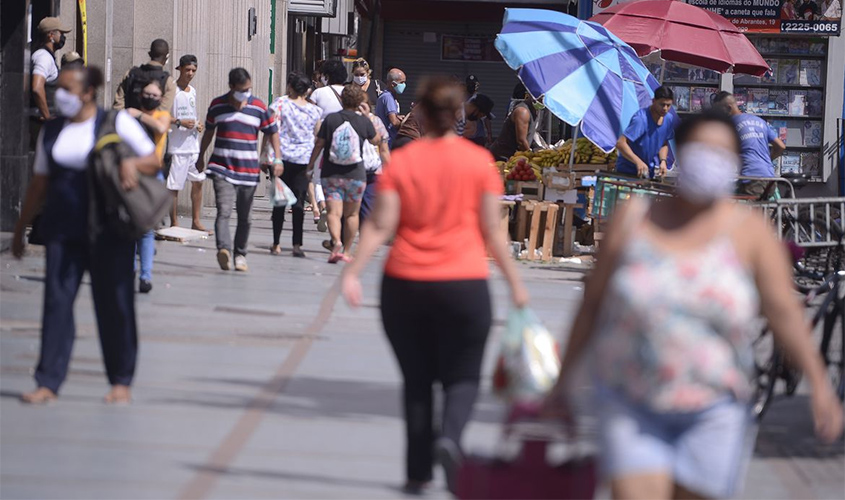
(662, 70)
(572, 149)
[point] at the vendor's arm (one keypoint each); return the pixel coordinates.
(663, 161)
(626, 152)
(778, 147)
(522, 119)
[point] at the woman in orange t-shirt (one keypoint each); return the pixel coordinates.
(440, 196)
(157, 123)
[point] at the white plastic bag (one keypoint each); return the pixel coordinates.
(529, 359)
(280, 194)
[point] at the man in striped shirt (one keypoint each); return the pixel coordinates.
(236, 117)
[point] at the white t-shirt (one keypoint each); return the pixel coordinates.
(326, 100)
(183, 140)
(76, 140)
(44, 64)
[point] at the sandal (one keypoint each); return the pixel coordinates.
(336, 255)
(276, 250)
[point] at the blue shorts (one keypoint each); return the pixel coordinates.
(707, 451)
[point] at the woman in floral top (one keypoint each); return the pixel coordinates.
(669, 308)
(297, 120)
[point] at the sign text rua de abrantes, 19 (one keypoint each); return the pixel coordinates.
(817, 17)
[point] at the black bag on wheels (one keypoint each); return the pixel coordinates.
(128, 214)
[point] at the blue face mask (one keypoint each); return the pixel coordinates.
(400, 87)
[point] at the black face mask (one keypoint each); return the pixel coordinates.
(61, 43)
(149, 103)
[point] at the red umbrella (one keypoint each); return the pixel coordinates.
(683, 33)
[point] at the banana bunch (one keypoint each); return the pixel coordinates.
(550, 157)
(586, 153)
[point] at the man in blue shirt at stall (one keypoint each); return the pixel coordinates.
(755, 136)
(644, 146)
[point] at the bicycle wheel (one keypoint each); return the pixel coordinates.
(833, 348)
(767, 367)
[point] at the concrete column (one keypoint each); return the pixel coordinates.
(14, 108)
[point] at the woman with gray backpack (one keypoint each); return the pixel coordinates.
(65, 169)
(341, 142)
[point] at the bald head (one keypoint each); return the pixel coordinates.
(396, 81)
(395, 75)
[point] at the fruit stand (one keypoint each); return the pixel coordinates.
(550, 196)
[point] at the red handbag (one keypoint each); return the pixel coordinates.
(528, 475)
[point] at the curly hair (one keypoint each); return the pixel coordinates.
(352, 96)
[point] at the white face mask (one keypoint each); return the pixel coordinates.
(360, 80)
(707, 173)
(241, 96)
(324, 80)
(67, 104)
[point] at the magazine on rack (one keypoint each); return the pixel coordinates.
(701, 98)
(790, 163)
(758, 101)
(815, 103)
(810, 163)
(811, 72)
(772, 76)
(797, 47)
(741, 97)
(778, 102)
(682, 96)
(788, 71)
(811, 133)
(676, 72)
(781, 128)
(797, 102)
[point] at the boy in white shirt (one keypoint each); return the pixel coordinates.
(184, 146)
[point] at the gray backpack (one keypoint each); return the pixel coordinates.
(128, 214)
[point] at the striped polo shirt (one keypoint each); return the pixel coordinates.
(235, 155)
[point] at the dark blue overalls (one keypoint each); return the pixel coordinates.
(70, 252)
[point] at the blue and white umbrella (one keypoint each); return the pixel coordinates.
(586, 74)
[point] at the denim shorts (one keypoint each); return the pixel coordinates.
(706, 451)
(341, 189)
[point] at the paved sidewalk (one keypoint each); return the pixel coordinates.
(240, 394)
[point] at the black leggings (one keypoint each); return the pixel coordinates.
(438, 331)
(295, 178)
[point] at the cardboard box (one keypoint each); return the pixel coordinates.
(561, 181)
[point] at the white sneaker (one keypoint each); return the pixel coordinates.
(240, 263)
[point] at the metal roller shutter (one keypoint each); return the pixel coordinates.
(406, 48)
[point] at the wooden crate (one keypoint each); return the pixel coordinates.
(530, 190)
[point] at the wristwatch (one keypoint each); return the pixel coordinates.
(178, 122)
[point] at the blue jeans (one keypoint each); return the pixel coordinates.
(146, 250)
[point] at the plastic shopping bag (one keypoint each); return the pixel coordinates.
(529, 359)
(280, 194)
